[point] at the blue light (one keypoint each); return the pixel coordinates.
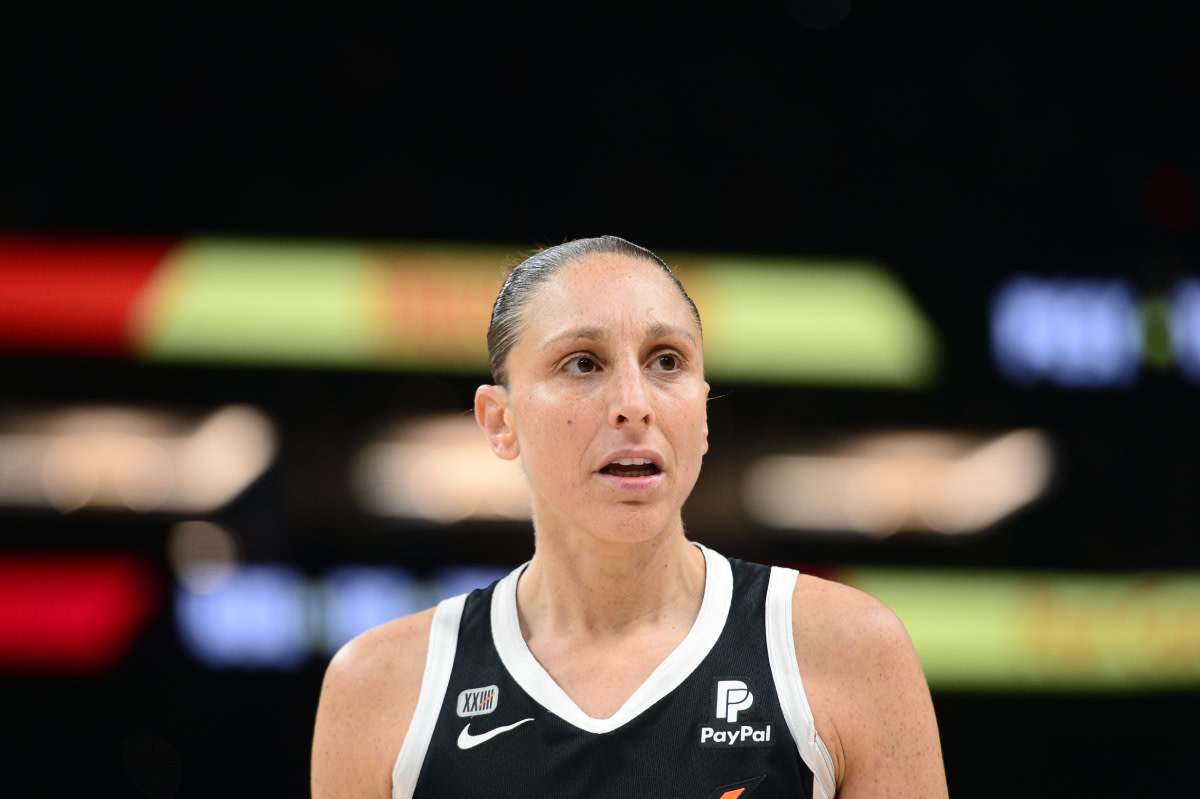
(362, 597)
(1185, 327)
(272, 616)
(1074, 333)
(256, 619)
(457, 580)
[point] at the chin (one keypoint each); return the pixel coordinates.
(616, 523)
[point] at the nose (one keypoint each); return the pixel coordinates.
(631, 398)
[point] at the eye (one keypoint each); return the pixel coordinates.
(667, 363)
(580, 364)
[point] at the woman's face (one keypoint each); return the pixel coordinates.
(606, 400)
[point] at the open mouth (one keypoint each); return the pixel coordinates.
(631, 467)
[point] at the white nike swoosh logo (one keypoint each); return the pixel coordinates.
(466, 740)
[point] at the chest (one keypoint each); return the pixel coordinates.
(719, 729)
(599, 675)
(647, 716)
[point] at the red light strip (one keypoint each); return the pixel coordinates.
(73, 613)
(73, 295)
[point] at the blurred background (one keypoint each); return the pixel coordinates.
(947, 260)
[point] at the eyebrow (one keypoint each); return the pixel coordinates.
(658, 330)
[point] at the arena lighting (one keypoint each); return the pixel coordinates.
(1069, 332)
(823, 322)
(439, 468)
(203, 555)
(256, 618)
(132, 458)
(271, 616)
(1090, 333)
(425, 307)
(72, 613)
(1006, 631)
(73, 295)
(883, 483)
(323, 304)
(1184, 304)
(1045, 632)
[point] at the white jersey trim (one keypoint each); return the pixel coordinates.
(541, 687)
(781, 652)
(443, 642)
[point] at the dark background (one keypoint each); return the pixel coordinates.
(956, 143)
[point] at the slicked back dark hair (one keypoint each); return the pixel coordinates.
(535, 270)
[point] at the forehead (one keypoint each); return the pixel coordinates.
(608, 289)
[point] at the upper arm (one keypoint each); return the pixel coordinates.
(868, 694)
(367, 700)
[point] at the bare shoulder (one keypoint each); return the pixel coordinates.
(867, 691)
(367, 701)
(840, 623)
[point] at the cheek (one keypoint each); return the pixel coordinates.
(693, 424)
(559, 427)
(555, 426)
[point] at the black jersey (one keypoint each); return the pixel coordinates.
(724, 716)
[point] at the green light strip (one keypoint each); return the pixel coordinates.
(260, 302)
(427, 307)
(1046, 632)
(849, 324)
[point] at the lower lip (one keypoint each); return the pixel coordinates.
(632, 484)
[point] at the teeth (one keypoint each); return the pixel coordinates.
(632, 462)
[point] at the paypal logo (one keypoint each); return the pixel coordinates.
(733, 696)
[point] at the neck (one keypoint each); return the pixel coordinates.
(583, 584)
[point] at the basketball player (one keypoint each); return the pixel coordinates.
(623, 660)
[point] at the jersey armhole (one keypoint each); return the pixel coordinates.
(785, 669)
(443, 641)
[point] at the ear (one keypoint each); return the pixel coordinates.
(704, 449)
(495, 419)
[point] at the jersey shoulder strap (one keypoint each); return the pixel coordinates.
(443, 641)
(785, 670)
